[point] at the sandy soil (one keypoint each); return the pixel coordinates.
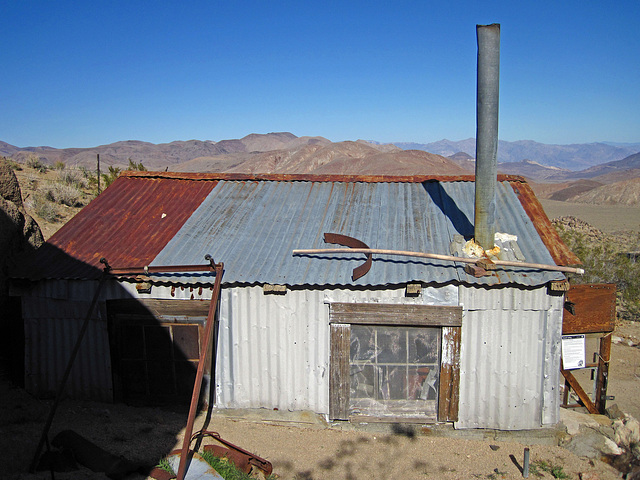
(608, 218)
(297, 451)
(304, 447)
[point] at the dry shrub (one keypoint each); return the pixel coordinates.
(34, 162)
(605, 260)
(43, 208)
(63, 194)
(75, 178)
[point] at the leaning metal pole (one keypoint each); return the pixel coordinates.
(67, 372)
(487, 133)
(213, 305)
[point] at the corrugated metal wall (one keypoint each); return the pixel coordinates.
(273, 350)
(510, 358)
(51, 330)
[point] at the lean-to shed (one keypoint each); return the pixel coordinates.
(413, 339)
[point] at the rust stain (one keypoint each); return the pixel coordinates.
(280, 177)
(128, 224)
(557, 248)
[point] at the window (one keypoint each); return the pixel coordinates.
(395, 362)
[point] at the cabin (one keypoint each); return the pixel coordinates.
(412, 339)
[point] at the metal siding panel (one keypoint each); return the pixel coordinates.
(552, 354)
(508, 359)
(51, 331)
(273, 350)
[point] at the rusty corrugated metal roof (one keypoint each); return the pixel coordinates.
(128, 224)
(549, 235)
(140, 220)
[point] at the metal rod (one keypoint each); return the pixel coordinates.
(182, 467)
(436, 256)
(488, 87)
(159, 269)
(525, 465)
(67, 372)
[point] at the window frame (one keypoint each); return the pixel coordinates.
(343, 315)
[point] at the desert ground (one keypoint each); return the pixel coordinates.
(305, 446)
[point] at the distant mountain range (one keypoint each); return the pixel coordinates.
(285, 152)
(592, 173)
(570, 157)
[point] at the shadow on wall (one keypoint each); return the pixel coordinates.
(138, 352)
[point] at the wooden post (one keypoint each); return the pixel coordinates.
(602, 378)
(98, 170)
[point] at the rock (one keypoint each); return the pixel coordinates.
(18, 231)
(614, 412)
(627, 431)
(592, 444)
(610, 447)
(572, 420)
(9, 186)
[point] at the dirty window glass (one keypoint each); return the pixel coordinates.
(394, 370)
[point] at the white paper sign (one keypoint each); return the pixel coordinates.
(573, 351)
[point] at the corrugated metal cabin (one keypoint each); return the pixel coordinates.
(414, 339)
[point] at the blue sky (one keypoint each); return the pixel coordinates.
(81, 74)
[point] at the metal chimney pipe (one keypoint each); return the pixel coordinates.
(487, 133)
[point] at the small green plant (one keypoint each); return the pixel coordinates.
(136, 166)
(110, 177)
(540, 466)
(34, 162)
(166, 466)
(59, 165)
(227, 470)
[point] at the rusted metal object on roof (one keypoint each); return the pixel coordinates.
(350, 242)
(483, 264)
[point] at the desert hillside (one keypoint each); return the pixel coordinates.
(619, 193)
(344, 158)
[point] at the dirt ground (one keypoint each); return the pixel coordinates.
(305, 447)
(608, 218)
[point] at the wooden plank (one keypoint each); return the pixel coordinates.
(594, 306)
(394, 314)
(586, 401)
(339, 379)
(392, 419)
(602, 379)
(449, 389)
(156, 307)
